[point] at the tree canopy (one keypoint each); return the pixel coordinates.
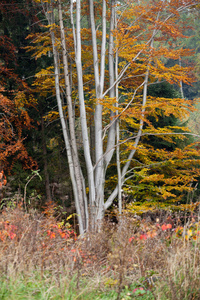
(117, 72)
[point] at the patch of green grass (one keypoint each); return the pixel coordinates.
(25, 288)
(36, 288)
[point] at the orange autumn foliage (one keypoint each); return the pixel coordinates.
(146, 41)
(14, 117)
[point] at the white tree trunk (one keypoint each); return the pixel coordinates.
(50, 19)
(86, 146)
(112, 130)
(99, 85)
(77, 169)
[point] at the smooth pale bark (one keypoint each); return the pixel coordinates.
(112, 130)
(98, 90)
(91, 117)
(86, 146)
(99, 86)
(50, 18)
(77, 169)
(118, 137)
(103, 47)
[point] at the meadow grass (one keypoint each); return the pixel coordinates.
(41, 258)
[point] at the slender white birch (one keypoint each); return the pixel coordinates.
(77, 169)
(50, 18)
(118, 132)
(99, 85)
(112, 129)
(84, 129)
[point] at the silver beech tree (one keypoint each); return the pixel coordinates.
(105, 55)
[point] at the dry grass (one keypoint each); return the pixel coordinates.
(166, 265)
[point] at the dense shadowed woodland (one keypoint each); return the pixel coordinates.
(99, 149)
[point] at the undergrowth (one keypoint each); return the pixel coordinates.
(41, 258)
